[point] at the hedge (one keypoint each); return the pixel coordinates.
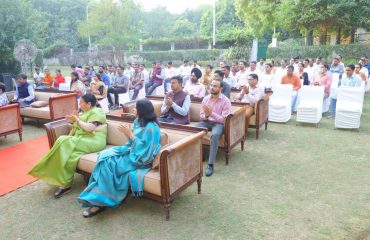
(180, 55)
(327, 52)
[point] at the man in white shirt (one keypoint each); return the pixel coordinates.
(145, 73)
(253, 68)
(185, 72)
(169, 72)
(261, 65)
(267, 78)
(252, 93)
(281, 71)
(38, 76)
(308, 69)
(194, 87)
(228, 78)
(242, 75)
(195, 65)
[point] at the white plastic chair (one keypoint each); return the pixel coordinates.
(326, 105)
(64, 87)
(309, 109)
(104, 104)
(280, 103)
(334, 85)
(350, 102)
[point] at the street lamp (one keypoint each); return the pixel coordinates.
(214, 23)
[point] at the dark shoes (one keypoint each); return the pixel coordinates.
(61, 191)
(209, 170)
(92, 211)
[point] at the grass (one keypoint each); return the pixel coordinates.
(296, 182)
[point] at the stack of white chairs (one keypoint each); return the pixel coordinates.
(326, 105)
(310, 106)
(104, 104)
(280, 103)
(334, 85)
(350, 102)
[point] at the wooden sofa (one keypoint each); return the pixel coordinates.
(234, 123)
(58, 104)
(180, 159)
(260, 115)
(10, 120)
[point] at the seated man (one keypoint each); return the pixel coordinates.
(24, 93)
(251, 94)
(156, 80)
(215, 108)
(137, 81)
(291, 78)
(323, 79)
(119, 84)
(219, 76)
(194, 87)
(38, 77)
(175, 108)
(3, 97)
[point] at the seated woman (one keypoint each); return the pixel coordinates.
(58, 79)
(98, 88)
(119, 167)
(3, 97)
(76, 85)
(88, 135)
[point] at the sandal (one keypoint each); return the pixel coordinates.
(90, 213)
(61, 191)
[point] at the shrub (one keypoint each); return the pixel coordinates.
(352, 51)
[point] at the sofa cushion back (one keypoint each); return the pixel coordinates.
(165, 141)
(115, 137)
(44, 96)
(194, 112)
(157, 107)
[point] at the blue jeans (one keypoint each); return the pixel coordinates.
(217, 130)
(294, 101)
(166, 119)
(166, 81)
(333, 105)
(150, 87)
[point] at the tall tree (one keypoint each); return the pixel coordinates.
(111, 23)
(18, 20)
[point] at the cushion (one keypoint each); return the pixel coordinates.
(44, 96)
(88, 161)
(194, 112)
(115, 137)
(152, 182)
(42, 112)
(39, 104)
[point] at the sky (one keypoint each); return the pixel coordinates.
(174, 6)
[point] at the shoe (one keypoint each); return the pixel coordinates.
(61, 191)
(90, 213)
(209, 170)
(115, 107)
(331, 116)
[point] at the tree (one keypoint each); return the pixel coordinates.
(18, 20)
(111, 23)
(183, 28)
(156, 23)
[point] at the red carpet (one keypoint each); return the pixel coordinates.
(17, 160)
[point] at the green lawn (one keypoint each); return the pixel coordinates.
(296, 182)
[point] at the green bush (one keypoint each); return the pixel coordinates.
(351, 51)
(180, 55)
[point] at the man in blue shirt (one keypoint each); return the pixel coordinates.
(24, 93)
(104, 77)
(350, 79)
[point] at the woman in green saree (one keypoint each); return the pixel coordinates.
(88, 135)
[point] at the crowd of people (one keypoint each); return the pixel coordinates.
(110, 179)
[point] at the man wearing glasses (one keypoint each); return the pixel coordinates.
(215, 108)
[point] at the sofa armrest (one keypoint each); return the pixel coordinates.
(10, 118)
(62, 105)
(262, 110)
(56, 129)
(235, 126)
(129, 107)
(181, 164)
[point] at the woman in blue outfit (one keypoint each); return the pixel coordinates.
(123, 166)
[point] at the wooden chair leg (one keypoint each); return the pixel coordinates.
(227, 156)
(266, 125)
(20, 135)
(167, 207)
(257, 133)
(199, 182)
(242, 145)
